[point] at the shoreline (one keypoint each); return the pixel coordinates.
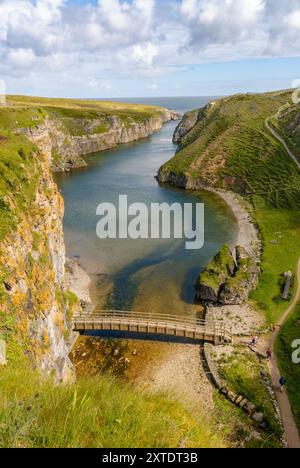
(248, 232)
(162, 366)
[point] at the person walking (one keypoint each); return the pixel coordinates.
(282, 383)
(255, 341)
(269, 354)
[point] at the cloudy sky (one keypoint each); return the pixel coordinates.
(126, 48)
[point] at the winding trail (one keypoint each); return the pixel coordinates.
(290, 428)
(281, 140)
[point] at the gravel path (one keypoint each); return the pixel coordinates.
(291, 430)
(281, 140)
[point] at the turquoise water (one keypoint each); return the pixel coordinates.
(142, 275)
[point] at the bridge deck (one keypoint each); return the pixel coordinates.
(154, 324)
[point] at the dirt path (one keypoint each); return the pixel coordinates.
(281, 140)
(291, 431)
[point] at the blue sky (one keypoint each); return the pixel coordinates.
(119, 48)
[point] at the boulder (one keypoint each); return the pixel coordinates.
(225, 281)
(258, 417)
(232, 397)
(243, 403)
(249, 408)
(237, 288)
(214, 276)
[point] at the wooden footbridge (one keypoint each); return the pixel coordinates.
(140, 323)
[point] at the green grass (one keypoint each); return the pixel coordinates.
(287, 124)
(75, 114)
(237, 427)
(288, 334)
(19, 162)
(218, 270)
(94, 412)
(280, 230)
(19, 170)
(231, 148)
(243, 375)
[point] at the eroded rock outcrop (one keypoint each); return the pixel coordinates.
(69, 140)
(215, 275)
(36, 303)
(186, 125)
(237, 288)
(228, 281)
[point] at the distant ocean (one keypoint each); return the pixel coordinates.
(179, 104)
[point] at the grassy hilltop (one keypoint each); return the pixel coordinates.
(95, 412)
(19, 160)
(230, 147)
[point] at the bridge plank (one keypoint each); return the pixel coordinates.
(164, 324)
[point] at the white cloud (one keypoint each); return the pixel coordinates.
(148, 38)
(219, 21)
(22, 58)
(152, 87)
(144, 53)
(293, 19)
(99, 85)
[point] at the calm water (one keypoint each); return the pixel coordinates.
(143, 275)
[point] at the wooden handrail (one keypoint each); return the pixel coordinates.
(146, 320)
(97, 313)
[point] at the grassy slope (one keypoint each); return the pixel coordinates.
(232, 149)
(70, 111)
(280, 230)
(242, 371)
(218, 269)
(19, 168)
(288, 334)
(96, 412)
(287, 123)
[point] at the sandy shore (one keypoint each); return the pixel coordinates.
(248, 235)
(78, 281)
(248, 232)
(174, 368)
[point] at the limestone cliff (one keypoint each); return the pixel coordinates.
(36, 307)
(36, 304)
(228, 281)
(70, 140)
(186, 125)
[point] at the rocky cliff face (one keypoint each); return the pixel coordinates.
(67, 149)
(186, 125)
(36, 306)
(228, 279)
